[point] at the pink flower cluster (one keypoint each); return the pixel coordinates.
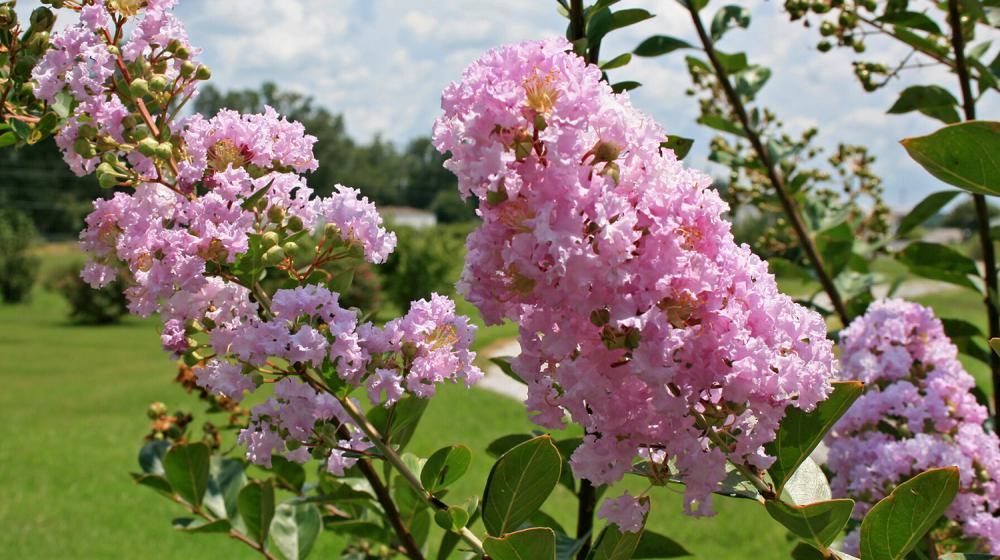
(639, 315)
(917, 413)
(218, 217)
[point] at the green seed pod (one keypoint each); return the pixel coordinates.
(114, 50)
(290, 248)
(276, 214)
(8, 18)
(147, 146)
(859, 46)
(158, 82)
(107, 181)
(824, 46)
(269, 239)
(331, 231)
(83, 147)
(182, 53)
(187, 69)
(203, 73)
(139, 87)
(87, 131)
(273, 256)
(140, 132)
(160, 67)
(164, 150)
(295, 223)
(129, 121)
(827, 28)
(42, 19)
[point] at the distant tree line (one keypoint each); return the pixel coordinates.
(35, 180)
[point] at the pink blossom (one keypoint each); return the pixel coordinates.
(626, 511)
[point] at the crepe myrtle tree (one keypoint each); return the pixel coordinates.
(641, 320)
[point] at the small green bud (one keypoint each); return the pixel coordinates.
(164, 150)
(269, 239)
(139, 87)
(331, 231)
(187, 69)
(107, 181)
(83, 147)
(114, 50)
(8, 18)
(156, 410)
(173, 45)
(87, 131)
(276, 214)
(827, 28)
(147, 146)
(859, 46)
(158, 82)
(42, 19)
(105, 168)
(824, 46)
(203, 73)
(295, 223)
(273, 256)
(182, 53)
(290, 247)
(140, 132)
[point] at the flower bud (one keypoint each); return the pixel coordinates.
(140, 132)
(83, 147)
(158, 82)
(147, 146)
(295, 223)
(273, 256)
(187, 69)
(139, 87)
(203, 73)
(331, 231)
(164, 150)
(156, 410)
(42, 19)
(182, 52)
(269, 239)
(276, 214)
(107, 181)
(114, 50)
(290, 247)
(8, 18)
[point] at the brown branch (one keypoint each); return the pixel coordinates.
(982, 210)
(777, 181)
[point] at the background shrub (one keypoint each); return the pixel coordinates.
(87, 305)
(18, 268)
(425, 261)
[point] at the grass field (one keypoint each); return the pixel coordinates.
(72, 417)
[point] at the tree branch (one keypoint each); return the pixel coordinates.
(777, 181)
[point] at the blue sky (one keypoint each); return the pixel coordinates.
(383, 63)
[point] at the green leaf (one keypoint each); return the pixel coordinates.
(749, 81)
(654, 545)
(933, 101)
(154, 481)
(719, 122)
(519, 483)
(288, 472)
(294, 529)
(605, 21)
(924, 210)
(807, 485)
(801, 432)
(913, 20)
(151, 456)
(679, 144)
(537, 543)
(224, 483)
(7, 139)
(616, 62)
(187, 468)
(64, 104)
(938, 262)
(659, 45)
(451, 519)
(729, 17)
(963, 556)
(189, 525)
(249, 266)
(899, 521)
(627, 85)
(613, 544)
(505, 443)
(445, 466)
(21, 128)
(732, 63)
(802, 551)
(256, 504)
(254, 198)
(503, 362)
(398, 422)
(966, 155)
(818, 524)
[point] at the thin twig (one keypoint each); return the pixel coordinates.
(777, 181)
(982, 209)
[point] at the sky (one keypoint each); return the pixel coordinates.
(383, 64)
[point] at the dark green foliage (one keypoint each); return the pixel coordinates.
(18, 269)
(86, 305)
(425, 261)
(365, 291)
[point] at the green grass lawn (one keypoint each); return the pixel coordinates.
(73, 417)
